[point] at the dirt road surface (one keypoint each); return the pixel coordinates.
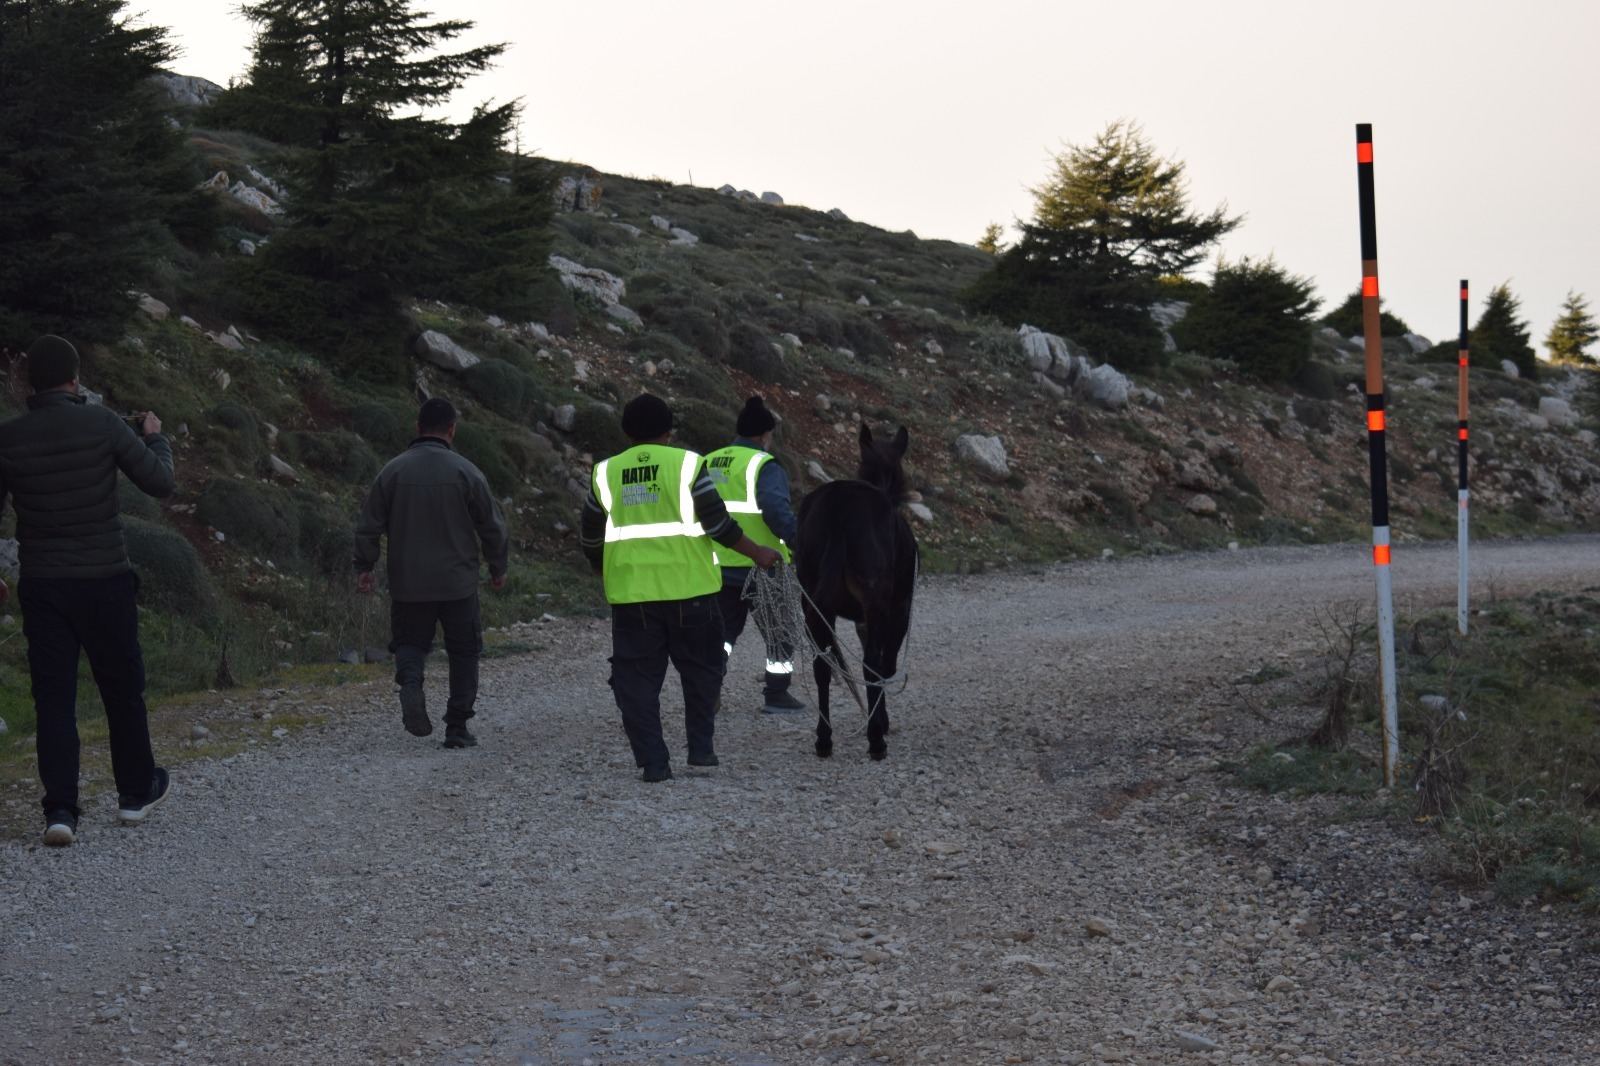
(1049, 867)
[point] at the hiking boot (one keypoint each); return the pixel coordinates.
(134, 808)
(708, 759)
(653, 774)
(782, 703)
(414, 711)
(60, 828)
(456, 736)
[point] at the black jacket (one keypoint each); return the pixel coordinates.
(59, 463)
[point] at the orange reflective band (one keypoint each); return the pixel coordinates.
(1363, 151)
(1380, 555)
(1463, 294)
(1369, 286)
(1375, 421)
(1462, 434)
(1463, 360)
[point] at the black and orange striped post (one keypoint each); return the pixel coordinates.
(1461, 474)
(1376, 441)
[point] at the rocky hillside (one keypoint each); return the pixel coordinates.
(1025, 448)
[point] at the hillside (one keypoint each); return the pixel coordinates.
(705, 297)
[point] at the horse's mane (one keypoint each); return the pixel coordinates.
(880, 466)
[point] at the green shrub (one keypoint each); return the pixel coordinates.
(241, 433)
(597, 429)
(338, 452)
(552, 304)
(131, 502)
(1346, 318)
(1317, 380)
(701, 426)
(171, 575)
(480, 446)
(820, 327)
(1256, 315)
(862, 336)
(751, 350)
(260, 517)
(698, 328)
(325, 536)
(388, 426)
(505, 390)
(701, 381)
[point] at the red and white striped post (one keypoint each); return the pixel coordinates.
(1373, 331)
(1461, 474)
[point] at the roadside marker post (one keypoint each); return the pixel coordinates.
(1376, 437)
(1462, 505)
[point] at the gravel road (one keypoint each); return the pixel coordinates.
(1047, 868)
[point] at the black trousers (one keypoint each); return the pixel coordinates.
(644, 638)
(413, 626)
(735, 612)
(97, 616)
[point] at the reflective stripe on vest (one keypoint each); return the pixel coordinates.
(738, 491)
(666, 554)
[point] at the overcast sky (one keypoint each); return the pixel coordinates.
(936, 116)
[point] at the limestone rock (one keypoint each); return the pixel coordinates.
(682, 238)
(1202, 505)
(186, 90)
(985, 455)
(153, 307)
(605, 287)
(1510, 368)
(626, 315)
(578, 192)
(1418, 343)
(838, 215)
(441, 351)
(920, 512)
(771, 198)
(282, 469)
(1556, 411)
(565, 418)
(1105, 385)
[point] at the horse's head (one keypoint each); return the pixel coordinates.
(880, 463)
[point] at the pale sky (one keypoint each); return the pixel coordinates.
(935, 116)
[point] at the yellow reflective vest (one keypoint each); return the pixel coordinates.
(734, 470)
(655, 547)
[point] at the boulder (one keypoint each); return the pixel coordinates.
(1510, 369)
(626, 315)
(1557, 412)
(660, 223)
(682, 237)
(986, 456)
(607, 288)
(771, 198)
(254, 198)
(441, 351)
(1105, 385)
(863, 301)
(726, 190)
(282, 469)
(630, 230)
(1170, 314)
(245, 247)
(1199, 476)
(186, 90)
(565, 417)
(790, 339)
(8, 555)
(1417, 342)
(577, 192)
(838, 215)
(920, 512)
(153, 307)
(1202, 505)
(227, 340)
(1049, 354)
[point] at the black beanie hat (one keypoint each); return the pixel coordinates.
(646, 417)
(436, 415)
(52, 361)
(755, 419)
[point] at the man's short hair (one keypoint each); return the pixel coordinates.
(52, 361)
(436, 416)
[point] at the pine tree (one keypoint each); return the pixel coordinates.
(1572, 333)
(385, 203)
(1347, 319)
(90, 167)
(1500, 334)
(1111, 219)
(1255, 314)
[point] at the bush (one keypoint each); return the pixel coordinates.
(820, 327)
(325, 535)
(1346, 318)
(701, 426)
(171, 575)
(698, 328)
(339, 452)
(552, 304)
(260, 517)
(1317, 380)
(389, 426)
(1255, 314)
(480, 446)
(505, 390)
(751, 350)
(862, 336)
(239, 428)
(597, 429)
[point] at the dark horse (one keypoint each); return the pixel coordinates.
(856, 558)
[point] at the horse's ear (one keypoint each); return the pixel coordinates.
(901, 440)
(866, 437)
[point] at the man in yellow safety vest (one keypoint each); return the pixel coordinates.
(647, 528)
(755, 489)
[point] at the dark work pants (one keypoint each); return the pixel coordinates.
(644, 637)
(60, 618)
(413, 626)
(735, 611)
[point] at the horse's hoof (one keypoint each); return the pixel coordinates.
(824, 750)
(879, 754)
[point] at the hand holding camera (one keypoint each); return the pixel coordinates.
(143, 423)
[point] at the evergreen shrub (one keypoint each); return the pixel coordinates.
(505, 390)
(171, 575)
(260, 517)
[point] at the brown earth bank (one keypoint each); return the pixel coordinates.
(1049, 867)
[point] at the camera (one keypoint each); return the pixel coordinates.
(135, 423)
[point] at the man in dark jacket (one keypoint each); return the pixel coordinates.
(435, 507)
(59, 463)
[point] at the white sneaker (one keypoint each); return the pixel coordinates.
(60, 829)
(131, 809)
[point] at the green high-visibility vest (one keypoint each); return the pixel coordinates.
(655, 547)
(734, 469)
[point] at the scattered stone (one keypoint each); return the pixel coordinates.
(986, 456)
(434, 347)
(1099, 927)
(1187, 1041)
(153, 307)
(1202, 505)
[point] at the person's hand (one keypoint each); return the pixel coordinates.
(367, 582)
(766, 557)
(152, 424)
(498, 581)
